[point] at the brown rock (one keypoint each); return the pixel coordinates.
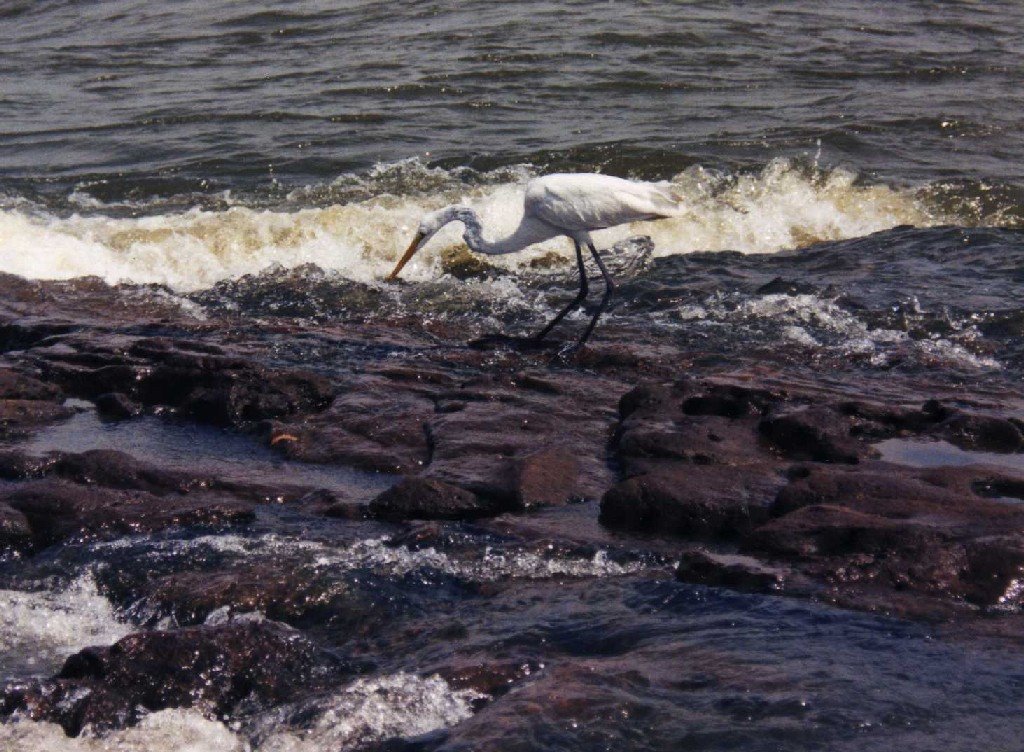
(827, 530)
(15, 385)
(293, 595)
(543, 478)
(15, 531)
(814, 433)
(218, 668)
(426, 499)
(982, 433)
(57, 510)
(995, 571)
(20, 413)
(117, 406)
(701, 501)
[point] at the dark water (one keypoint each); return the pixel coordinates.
(854, 177)
(157, 99)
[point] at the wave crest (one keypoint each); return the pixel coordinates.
(784, 206)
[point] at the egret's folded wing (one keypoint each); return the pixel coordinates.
(591, 202)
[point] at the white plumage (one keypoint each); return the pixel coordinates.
(581, 203)
(562, 204)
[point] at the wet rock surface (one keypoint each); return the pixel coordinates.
(791, 476)
(506, 481)
(253, 663)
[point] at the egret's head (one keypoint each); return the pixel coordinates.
(429, 227)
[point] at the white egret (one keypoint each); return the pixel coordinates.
(563, 204)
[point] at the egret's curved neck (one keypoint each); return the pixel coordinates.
(528, 232)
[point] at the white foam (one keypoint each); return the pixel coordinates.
(166, 731)
(38, 630)
(398, 561)
(797, 313)
(779, 208)
(365, 712)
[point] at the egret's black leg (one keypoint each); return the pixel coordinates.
(609, 288)
(577, 301)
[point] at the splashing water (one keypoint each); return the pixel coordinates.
(38, 630)
(779, 208)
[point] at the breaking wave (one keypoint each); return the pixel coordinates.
(357, 226)
(366, 712)
(38, 630)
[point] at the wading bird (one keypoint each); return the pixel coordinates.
(562, 204)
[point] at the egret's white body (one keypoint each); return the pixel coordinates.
(562, 204)
(577, 204)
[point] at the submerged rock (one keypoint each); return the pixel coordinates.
(731, 570)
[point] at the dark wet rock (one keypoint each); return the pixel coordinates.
(15, 531)
(370, 427)
(16, 465)
(299, 596)
(23, 332)
(57, 510)
(206, 386)
(328, 503)
(996, 485)
(700, 501)
(518, 448)
(543, 478)
(787, 474)
(19, 414)
(117, 406)
(700, 440)
(426, 499)
(112, 469)
(16, 385)
(487, 676)
(257, 394)
(982, 433)
(829, 530)
(502, 428)
(818, 434)
(734, 571)
(995, 571)
(780, 286)
(693, 460)
(217, 669)
(941, 498)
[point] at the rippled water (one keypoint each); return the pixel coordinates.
(156, 98)
(852, 176)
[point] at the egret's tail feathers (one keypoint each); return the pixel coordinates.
(667, 200)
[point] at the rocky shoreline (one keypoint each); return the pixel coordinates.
(758, 473)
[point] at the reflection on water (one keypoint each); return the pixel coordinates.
(918, 453)
(195, 448)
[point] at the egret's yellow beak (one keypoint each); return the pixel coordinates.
(408, 255)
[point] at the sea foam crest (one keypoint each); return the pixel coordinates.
(781, 207)
(365, 712)
(397, 561)
(167, 731)
(38, 630)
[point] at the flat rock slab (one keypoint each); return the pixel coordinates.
(790, 475)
